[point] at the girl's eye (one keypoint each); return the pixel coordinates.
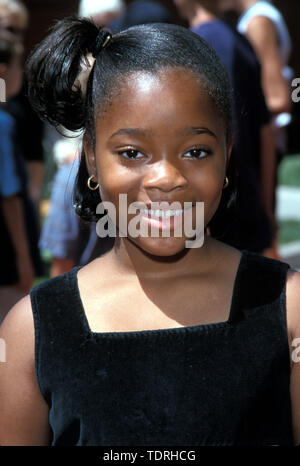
(130, 154)
(197, 153)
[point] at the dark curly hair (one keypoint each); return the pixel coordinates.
(54, 65)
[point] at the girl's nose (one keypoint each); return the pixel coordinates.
(165, 177)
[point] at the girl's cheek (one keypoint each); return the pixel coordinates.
(208, 180)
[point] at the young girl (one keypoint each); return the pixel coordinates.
(153, 343)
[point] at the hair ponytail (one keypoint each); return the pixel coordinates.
(52, 69)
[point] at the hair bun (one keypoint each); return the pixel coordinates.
(55, 65)
(101, 41)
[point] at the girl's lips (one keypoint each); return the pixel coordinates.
(163, 223)
(164, 205)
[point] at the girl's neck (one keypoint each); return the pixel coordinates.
(129, 259)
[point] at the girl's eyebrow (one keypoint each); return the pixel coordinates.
(190, 130)
(187, 131)
(130, 131)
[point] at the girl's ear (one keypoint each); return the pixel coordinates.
(89, 155)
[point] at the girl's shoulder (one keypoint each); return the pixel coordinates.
(19, 313)
(21, 402)
(293, 325)
(17, 335)
(293, 303)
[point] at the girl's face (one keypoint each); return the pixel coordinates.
(161, 139)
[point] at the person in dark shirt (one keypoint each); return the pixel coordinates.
(16, 271)
(14, 18)
(141, 12)
(253, 227)
(30, 134)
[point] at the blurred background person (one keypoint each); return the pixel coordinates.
(69, 240)
(17, 270)
(264, 26)
(141, 12)
(254, 149)
(14, 17)
(102, 12)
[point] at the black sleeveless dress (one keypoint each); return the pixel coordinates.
(214, 384)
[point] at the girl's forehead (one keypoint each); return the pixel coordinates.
(146, 81)
(147, 89)
(163, 101)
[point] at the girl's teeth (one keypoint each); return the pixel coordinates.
(162, 213)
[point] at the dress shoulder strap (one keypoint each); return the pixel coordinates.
(260, 290)
(54, 300)
(56, 311)
(263, 280)
(58, 326)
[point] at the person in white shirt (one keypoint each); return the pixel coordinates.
(265, 28)
(102, 12)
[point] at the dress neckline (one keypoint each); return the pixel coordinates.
(73, 283)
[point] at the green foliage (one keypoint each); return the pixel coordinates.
(289, 231)
(289, 171)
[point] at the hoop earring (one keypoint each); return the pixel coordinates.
(92, 188)
(226, 183)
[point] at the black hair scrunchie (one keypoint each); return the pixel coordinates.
(102, 39)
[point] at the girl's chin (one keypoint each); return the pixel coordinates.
(163, 247)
